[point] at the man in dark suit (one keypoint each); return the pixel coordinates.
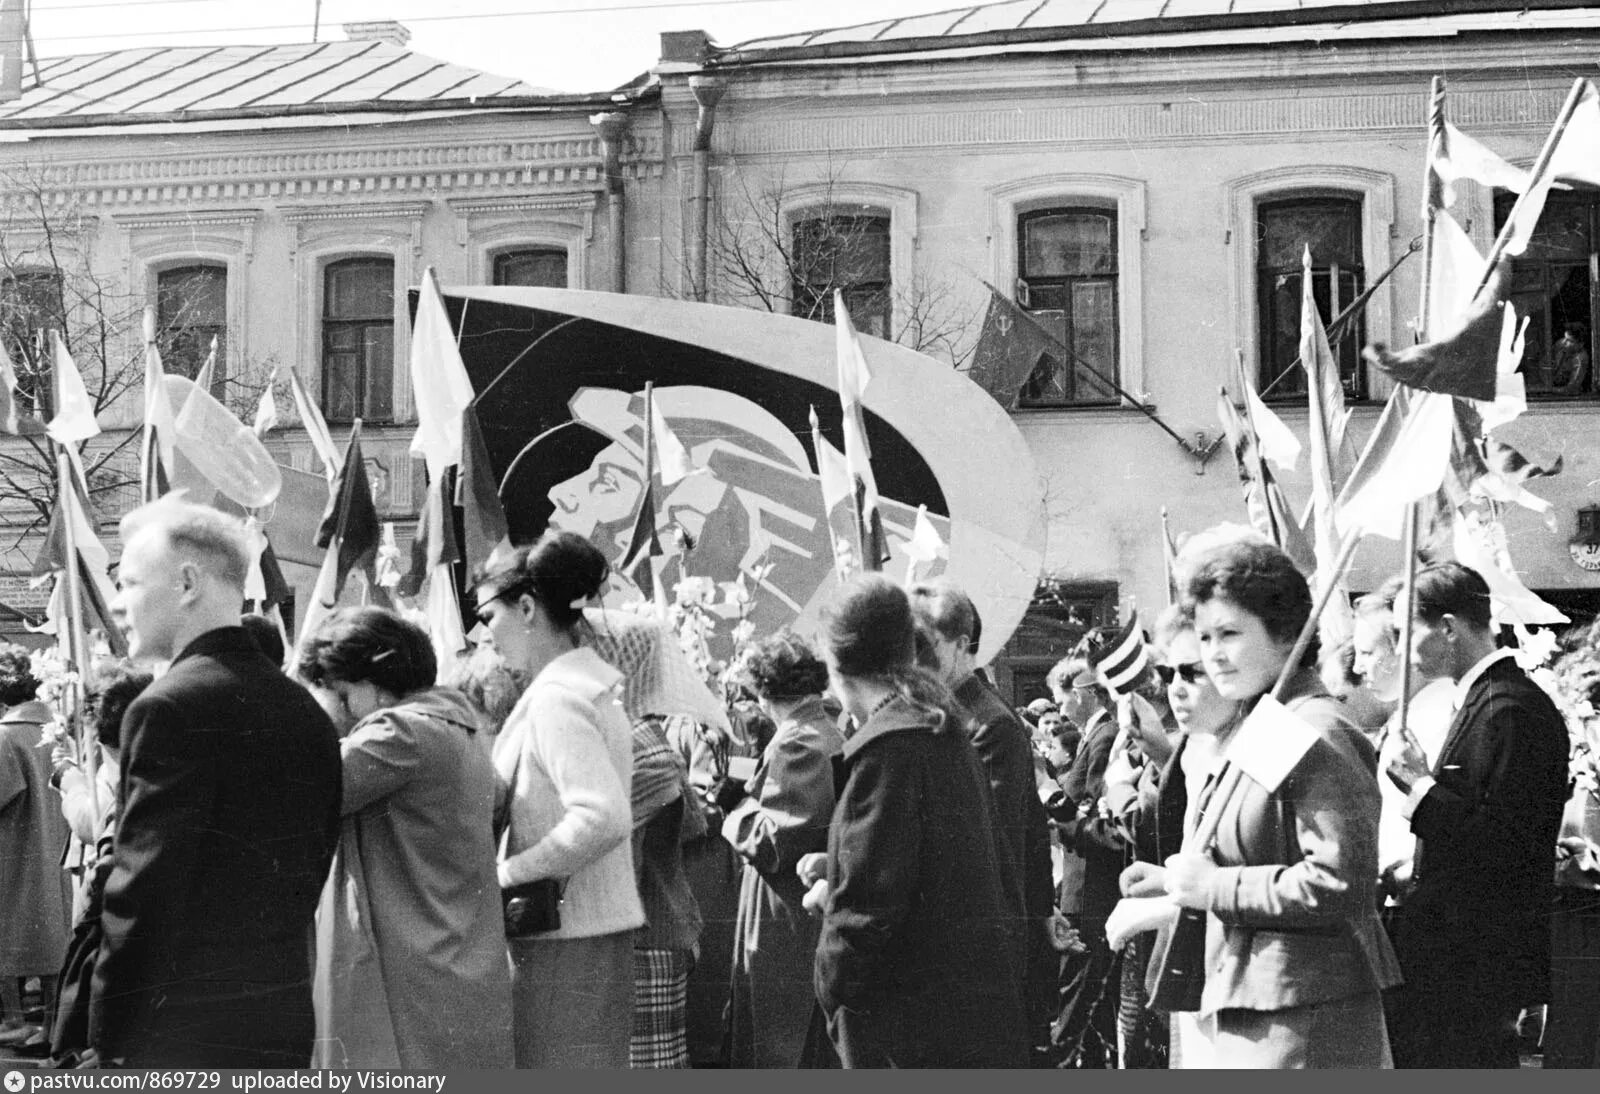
(228, 819)
(1473, 934)
(951, 622)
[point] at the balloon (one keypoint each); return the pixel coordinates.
(222, 448)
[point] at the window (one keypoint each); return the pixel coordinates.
(191, 314)
(845, 252)
(1331, 226)
(31, 305)
(1553, 286)
(535, 267)
(1067, 277)
(358, 340)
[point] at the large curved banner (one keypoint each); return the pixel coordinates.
(561, 376)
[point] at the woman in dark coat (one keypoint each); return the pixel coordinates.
(785, 817)
(914, 966)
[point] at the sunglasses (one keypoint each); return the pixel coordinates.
(1191, 673)
(508, 595)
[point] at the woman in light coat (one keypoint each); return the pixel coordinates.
(565, 757)
(411, 968)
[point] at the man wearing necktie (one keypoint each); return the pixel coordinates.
(1473, 935)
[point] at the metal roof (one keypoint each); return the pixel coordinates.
(1121, 24)
(199, 83)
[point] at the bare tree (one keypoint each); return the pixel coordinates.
(770, 252)
(49, 282)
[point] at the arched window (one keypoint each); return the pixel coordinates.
(358, 340)
(535, 267)
(191, 315)
(1067, 278)
(1330, 224)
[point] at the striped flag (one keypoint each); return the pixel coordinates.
(1121, 662)
(483, 516)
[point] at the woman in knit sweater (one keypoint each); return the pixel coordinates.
(565, 757)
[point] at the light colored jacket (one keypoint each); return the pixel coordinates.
(1294, 916)
(566, 758)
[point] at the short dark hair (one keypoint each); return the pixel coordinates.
(1449, 588)
(559, 570)
(869, 628)
(17, 684)
(1263, 581)
(949, 611)
(264, 633)
(369, 645)
(782, 666)
(118, 686)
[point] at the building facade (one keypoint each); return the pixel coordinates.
(1139, 174)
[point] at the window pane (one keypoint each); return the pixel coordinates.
(191, 311)
(848, 253)
(1552, 288)
(539, 267)
(1094, 339)
(1331, 227)
(359, 288)
(30, 304)
(378, 357)
(1069, 244)
(1562, 234)
(341, 386)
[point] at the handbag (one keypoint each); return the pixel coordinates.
(533, 908)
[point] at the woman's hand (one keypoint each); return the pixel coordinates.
(812, 868)
(1189, 879)
(1136, 915)
(816, 899)
(1143, 879)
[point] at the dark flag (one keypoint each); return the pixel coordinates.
(1010, 346)
(435, 542)
(1464, 362)
(352, 517)
(483, 516)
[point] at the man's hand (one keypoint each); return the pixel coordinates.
(1403, 760)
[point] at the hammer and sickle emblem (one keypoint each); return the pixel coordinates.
(1004, 322)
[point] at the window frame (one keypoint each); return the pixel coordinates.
(1352, 348)
(1009, 200)
(900, 205)
(1067, 283)
(221, 374)
(500, 254)
(29, 397)
(1500, 206)
(821, 307)
(326, 269)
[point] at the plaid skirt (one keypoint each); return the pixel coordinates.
(660, 1008)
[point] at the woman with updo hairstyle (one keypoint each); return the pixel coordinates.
(916, 965)
(1295, 959)
(565, 758)
(410, 960)
(781, 816)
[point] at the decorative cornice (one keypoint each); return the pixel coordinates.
(1114, 118)
(233, 218)
(483, 167)
(469, 211)
(365, 210)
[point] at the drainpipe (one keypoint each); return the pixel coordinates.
(613, 128)
(708, 91)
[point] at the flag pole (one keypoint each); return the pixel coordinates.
(1539, 167)
(75, 642)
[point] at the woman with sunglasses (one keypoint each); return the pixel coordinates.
(410, 964)
(566, 756)
(1296, 960)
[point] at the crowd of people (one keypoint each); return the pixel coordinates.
(563, 851)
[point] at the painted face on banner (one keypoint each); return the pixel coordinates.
(603, 497)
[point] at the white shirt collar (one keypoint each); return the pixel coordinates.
(1464, 685)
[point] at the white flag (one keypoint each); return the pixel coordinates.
(439, 380)
(74, 420)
